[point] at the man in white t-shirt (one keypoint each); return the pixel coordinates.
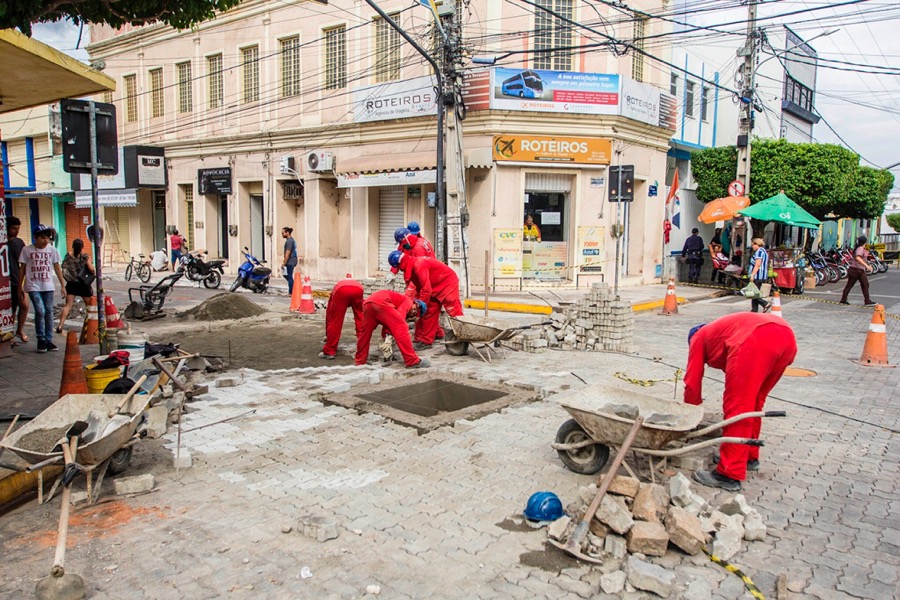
(37, 263)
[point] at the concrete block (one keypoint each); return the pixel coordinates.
(648, 577)
(226, 382)
(134, 485)
(157, 421)
(680, 490)
(614, 513)
(648, 538)
(689, 463)
(319, 528)
(697, 505)
(615, 546)
(651, 503)
(754, 527)
(684, 530)
(76, 497)
(736, 506)
(557, 529)
(601, 530)
(624, 486)
(613, 583)
(727, 544)
(183, 460)
(719, 521)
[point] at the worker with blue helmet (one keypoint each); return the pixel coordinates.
(414, 228)
(400, 234)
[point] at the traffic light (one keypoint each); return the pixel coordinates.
(621, 183)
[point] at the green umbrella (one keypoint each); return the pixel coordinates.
(782, 209)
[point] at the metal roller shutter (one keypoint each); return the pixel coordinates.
(77, 220)
(548, 182)
(391, 215)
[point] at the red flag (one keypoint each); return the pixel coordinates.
(673, 189)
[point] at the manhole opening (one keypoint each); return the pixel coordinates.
(433, 397)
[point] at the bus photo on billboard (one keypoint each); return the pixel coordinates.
(526, 84)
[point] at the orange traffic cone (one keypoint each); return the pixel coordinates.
(874, 352)
(113, 319)
(306, 298)
(296, 292)
(73, 381)
(90, 329)
(776, 304)
(670, 306)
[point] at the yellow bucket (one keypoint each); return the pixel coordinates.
(98, 379)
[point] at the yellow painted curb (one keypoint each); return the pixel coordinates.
(509, 307)
(644, 306)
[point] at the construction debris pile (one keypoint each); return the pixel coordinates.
(223, 306)
(637, 520)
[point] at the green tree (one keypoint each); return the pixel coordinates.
(893, 220)
(180, 14)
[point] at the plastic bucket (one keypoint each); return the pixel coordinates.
(133, 344)
(98, 379)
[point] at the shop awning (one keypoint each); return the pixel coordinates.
(387, 163)
(110, 198)
(479, 158)
(47, 193)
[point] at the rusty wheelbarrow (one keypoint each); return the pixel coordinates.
(481, 333)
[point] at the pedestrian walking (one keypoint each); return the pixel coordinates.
(37, 263)
(347, 293)
(857, 270)
(289, 259)
(78, 271)
(759, 271)
(178, 245)
(18, 301)
(692, 252)
(753, 350)
(391, 310)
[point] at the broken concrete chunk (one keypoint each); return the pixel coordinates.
(754, 527)
(736, 506)
(156, 421)
(624, 486)
(557, 529)
(649, 577)
(134, 485)
(613, 583)
(226, 382)
(614, 513)
(680, 490)
(615, 546)
(651, 503)
(727, 544)
(648, 537)
(599, 529)
(319, 528)
(684, 530)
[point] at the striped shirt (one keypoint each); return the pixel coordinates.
(763, 272)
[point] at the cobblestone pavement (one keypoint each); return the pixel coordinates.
(429, 515)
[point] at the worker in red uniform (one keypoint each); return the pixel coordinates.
(753, 349)
(347, 293)
(434, 283)
(422, 247)
(391, 310)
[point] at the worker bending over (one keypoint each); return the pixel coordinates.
(391, 310)
(347, 293)
(434, 283)
(754, 350)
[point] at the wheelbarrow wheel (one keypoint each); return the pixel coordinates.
(454, 346)
(585, 461)
(119, 461)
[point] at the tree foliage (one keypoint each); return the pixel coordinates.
(893, 220)
(180, 14)
(822, 178)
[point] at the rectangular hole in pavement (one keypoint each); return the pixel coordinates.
(433, 397)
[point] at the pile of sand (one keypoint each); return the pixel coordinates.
(222, 307)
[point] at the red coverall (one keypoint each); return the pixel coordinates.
(754, 350)
(388, 309)
(436, 285)
(348, 293)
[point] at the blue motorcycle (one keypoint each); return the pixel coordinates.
(252, 275)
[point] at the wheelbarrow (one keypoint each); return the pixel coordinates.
(481, 333)
(602, 417)
(105, 422)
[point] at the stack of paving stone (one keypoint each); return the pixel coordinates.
(640, 520)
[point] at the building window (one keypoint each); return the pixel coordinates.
(157, 96)
(290, 67)
(387, 50)
(689, 99)
(185, 88)
(704, 103)
(798, 93)
(131, 113)
(637, 53)
(214, 74)
(188, 191)
(108, 97)
(552, 32)
(335, 58)
(673, 84)
(250, 61)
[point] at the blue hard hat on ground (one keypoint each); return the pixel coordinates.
(414, 228)
(422, 307)
(401, 233)
(694, 330)
(394, 258)
(543, 506)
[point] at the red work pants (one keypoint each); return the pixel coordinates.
(427, 328)
(341, 299)
(750, 375)
(390, 320)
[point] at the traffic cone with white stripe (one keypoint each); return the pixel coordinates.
(776, 304)
(296, 292)
(307, 307)
(90, 332)
(874, 352)
(113, 320)
(670, 306)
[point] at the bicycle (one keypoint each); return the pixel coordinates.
(141, 266)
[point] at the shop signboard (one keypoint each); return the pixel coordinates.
(123, 198)
(151, 170)
(476, 89)
(548, 260)
(214, 182)
(589, 249)
(394, 100)
(355, 180)
(647, 103)
(554, 91)
(508, 252)
(552, 149)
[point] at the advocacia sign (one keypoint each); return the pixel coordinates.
(554, 149)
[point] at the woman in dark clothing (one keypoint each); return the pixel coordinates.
(693, 255)
(71, 266)
(857, 270)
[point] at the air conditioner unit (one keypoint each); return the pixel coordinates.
(320, 162)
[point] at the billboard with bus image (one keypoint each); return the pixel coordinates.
(554, 91)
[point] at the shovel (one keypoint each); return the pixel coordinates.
(60, 585)
(573, 544)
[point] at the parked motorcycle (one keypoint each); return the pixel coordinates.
(252, 275)
(199, 270)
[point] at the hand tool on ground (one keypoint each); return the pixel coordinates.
(137, 385)
(60, 585)
(573, 544)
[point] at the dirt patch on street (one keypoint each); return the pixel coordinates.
(550, 559)
(99, 521)
(223, 307)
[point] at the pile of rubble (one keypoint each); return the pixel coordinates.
(636, 520)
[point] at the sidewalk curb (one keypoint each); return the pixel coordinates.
(654, 304)
(514, 307)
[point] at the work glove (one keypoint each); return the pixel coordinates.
(387, 348)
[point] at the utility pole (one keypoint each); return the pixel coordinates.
(456, 210)
(748, 98)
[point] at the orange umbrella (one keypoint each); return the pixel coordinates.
(723, 208)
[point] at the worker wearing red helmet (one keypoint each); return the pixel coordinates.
(754, 350)
(391, 310)
(347, 293)
(436, 284)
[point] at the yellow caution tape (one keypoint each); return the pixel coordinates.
(748, 583)
(647, 382)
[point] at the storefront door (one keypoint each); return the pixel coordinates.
(391, 215)
(77, 221)
(257, 227)
(159, 221)
(547, 202)
(223, 226)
